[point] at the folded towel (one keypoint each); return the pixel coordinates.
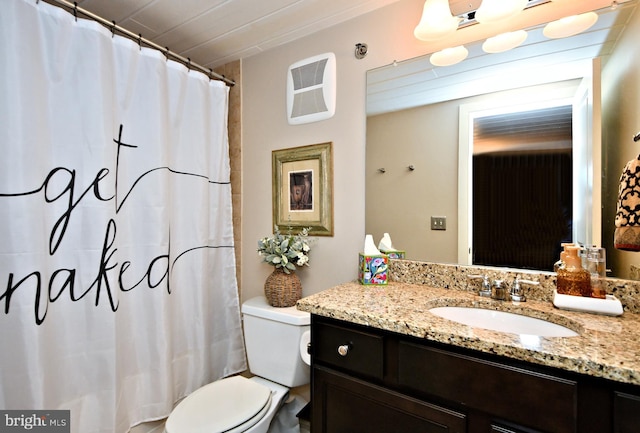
(627, 233)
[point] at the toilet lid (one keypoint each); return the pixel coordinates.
(221, 406)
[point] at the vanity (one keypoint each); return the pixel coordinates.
(382, 362)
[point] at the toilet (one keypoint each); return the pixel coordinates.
(276, 341)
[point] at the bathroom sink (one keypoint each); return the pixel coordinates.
(502, 321)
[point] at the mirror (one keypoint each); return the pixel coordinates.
(416, 117)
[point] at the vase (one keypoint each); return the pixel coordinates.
(282, 289)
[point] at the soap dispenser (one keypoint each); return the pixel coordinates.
(596, 265)
(561, 263)
(573, 279)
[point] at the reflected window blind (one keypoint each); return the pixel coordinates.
(522, 208)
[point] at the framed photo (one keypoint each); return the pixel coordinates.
(303, 188)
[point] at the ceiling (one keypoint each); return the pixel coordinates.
(215, 32)
(530, 130)
(212, 33)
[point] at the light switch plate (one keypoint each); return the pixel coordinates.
(438, 223)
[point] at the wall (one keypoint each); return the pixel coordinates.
(400, 201)
(389, 35)
(265, 128)
(233, 71)
(621, 121)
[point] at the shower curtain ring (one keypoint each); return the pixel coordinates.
(140, 41)
(166, 53)
(75, 11)
(113, 29)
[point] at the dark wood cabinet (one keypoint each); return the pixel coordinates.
(368, 380)
(626, 409)
(502, 390)
(350, 405)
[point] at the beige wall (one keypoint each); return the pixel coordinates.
(389, 35)
(265, 128)
(621, 121)
(400, 201)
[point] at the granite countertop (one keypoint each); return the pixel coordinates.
(607, 347)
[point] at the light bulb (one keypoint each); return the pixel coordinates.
(504, 41)
(436, 22)
(569, 26)
(449, 56)
(491, 11)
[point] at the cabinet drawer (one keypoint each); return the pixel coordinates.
(526, 397)
(360, 352)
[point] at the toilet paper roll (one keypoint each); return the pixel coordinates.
(304, 342)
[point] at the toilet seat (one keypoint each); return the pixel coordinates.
(229, 405)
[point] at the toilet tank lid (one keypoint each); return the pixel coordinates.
(259, 307)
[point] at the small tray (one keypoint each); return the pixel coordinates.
(610, 306)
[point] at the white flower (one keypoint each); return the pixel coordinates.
(302, 259)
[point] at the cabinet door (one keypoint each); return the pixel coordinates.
(343, 404)
(523, 397)
(626, 416)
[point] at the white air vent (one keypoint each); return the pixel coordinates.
(311, 89)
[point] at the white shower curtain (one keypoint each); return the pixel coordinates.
(117, 278)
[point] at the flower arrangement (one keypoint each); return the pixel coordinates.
(285, 251)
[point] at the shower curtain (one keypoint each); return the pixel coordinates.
(117, 276)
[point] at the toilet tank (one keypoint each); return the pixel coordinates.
(272, 336)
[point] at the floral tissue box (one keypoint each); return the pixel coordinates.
(373, 270)
(394, 254)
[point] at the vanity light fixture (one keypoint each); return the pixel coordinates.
(504, 41)
(436, 22)
(449, 56)
(569, 26)
(491, 11)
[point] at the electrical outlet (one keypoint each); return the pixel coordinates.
(438, 223)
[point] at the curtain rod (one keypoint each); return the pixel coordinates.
(111, 25)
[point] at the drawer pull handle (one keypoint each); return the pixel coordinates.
(343, 350)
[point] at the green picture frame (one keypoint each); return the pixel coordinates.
(302, 188)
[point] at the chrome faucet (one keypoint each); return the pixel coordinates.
(485, 287)
(498, 289)
(517, 294)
